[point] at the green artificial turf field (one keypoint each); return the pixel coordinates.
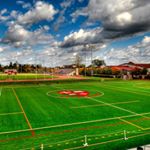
(113, 115)
(25, 76)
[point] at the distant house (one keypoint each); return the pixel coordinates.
(127, 68)
(66, 72)
(10, 71)
(139, 66)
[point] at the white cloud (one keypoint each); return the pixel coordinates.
(61, 18)
(3, 15)
(3, 11)
(16, 33)
(1, 49)
(124, 18)
(146, 39)
(41, 11)
(119, 18)
(80, 1)
(18, 36)
(66, 3)
(45, 27)
(139, 53)
(24, 5)
(82, 37)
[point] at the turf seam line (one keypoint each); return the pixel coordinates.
(85, 106)
(25, 116)
(130, 123)
(12, 113)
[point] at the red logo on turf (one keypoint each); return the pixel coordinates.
(74, 93)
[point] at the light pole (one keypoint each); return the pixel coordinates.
(90, 47)
(84, 50)
(52, 65)
(36, 65)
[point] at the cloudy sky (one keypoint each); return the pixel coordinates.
(53, 32)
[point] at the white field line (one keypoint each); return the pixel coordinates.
(108, 104)
(111, 105)
(76, 123)
(110, 141)
(139, 85)
(1, 91)
(81, 137)
(132, 124)
(25, 86)
(146, 129)
(121, 107)
(85, 106)
(114, 106)
(20, 105)
(62, 88)
(12, 113)
(126, 90)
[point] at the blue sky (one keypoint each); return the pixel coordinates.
(54, 32)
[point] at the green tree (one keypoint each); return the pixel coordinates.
(98, 62)
(144, 71)
(10, 65)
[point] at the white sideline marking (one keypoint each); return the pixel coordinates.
(76, 123)
(85, 106)
(12, 113)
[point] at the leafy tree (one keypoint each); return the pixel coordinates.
(98, 62)
(10, 65)
(144, 71)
